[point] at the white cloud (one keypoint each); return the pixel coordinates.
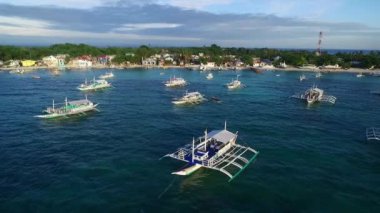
(195, 4)
(88, 4)
(18, 26)
(146, 26)
(79, 4)
(23, 22)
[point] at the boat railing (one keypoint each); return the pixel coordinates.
(329, 99)
(373, 133)
(233, 161)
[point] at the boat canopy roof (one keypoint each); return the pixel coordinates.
(192, 93)
(101, 81)
(79, 102)
(223, 136)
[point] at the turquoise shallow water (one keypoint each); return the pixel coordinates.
(312, 159)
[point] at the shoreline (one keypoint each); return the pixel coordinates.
(193, 68)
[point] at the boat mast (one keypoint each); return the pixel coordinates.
(66, 101)
(205, 139)
(225, 125)
(192, 156)
(53, 104)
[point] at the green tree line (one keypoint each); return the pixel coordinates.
(213, 53)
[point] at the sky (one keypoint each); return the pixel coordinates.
(346, 24)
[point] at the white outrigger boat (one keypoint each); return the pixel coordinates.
(235, 84)
(359, 75)
(175, 82)
(94, 85)
(318, 75)
(215, 150)
(68, 108)
(373, 134)
(314, 94)
(190, 98)
(302, 77)
(209, 76)
(106, 75)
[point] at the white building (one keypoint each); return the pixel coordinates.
(52, 61)
(336, 66)
(149, 62)
(14, 63)
(80, 63)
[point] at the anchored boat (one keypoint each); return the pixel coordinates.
(175, 82)
(209, 76)
(235, 84)
(68, 108)
(215, 150)
(94, 85)
(314, 94)
(318, 75)
(302, 77)
(106, 75)
(190, 98)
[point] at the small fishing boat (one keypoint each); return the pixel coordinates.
(235, 84)
(94, 85)
(314, 94)
(209, 76)
(36, 77)
(106, 75)
(359, 75)
(278, 75)
(190, 98)
(175, 82)
(215, 150)
(302, 77)
(318, 75)
(68, 108)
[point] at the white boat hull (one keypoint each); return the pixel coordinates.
(73, 112)
(94, 88)
(188, 170)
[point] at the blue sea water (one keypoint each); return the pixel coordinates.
(312, 159)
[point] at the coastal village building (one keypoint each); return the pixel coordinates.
(149, 62)
(28, 63)
(130, 54)
(52, 61)
(105, 59)
(283, 65)
(84, 61)
(336, 66)
(80, 63)
(14, 63)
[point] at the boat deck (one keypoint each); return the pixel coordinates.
(373, 133)
(231, 163)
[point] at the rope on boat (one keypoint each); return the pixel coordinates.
(170, 184)
(167, 188)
